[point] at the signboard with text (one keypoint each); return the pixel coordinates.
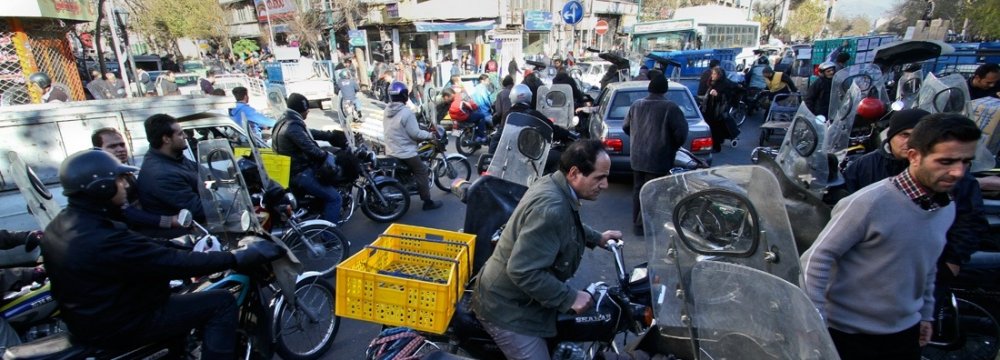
(274, 9)
(535, 20)
(358, 37)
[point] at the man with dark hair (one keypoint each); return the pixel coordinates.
(657, 129)
(984, 82)
(522, 287)
(207, 83)
(447, 95)
(871, 243)
(244, 110)
(313, 170)
(841, 60)
(169, 181)
(502, 104)
(112, 142)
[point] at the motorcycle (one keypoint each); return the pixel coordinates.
(444, 168)
(721, 253)
(281, 309)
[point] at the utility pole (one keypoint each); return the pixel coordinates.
(113, 24)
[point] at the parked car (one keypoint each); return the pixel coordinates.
(613, 104)
(187, 83)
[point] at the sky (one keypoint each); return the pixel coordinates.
(872, 8)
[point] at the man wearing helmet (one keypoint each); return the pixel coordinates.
(818, 99)
(403, 135)
(49, 93)
(112, 284)
(348, 89)
(315, 170)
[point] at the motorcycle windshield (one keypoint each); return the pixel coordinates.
(523, 149)
(727, 214)
(556, 102)
(805, 156)
(867, 78)
(743, 313)
(946, 94)
(223, 192)
(908, 88)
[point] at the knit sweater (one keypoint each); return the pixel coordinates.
(872, 269)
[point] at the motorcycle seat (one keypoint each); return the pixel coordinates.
(58, 346)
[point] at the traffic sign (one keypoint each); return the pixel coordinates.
(601, 28)
(572, 12)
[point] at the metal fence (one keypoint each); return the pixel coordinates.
(31, 45)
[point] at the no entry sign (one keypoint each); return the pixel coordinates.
(601, 28)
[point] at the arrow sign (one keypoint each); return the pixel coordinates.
(572, 12)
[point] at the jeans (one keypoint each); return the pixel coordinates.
(480, 119)
(307, 182)
(212, 311)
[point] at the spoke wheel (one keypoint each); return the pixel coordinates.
(301, 337)
(448, 171)
(329, 240)
(397, 203)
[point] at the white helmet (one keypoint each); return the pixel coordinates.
(520, 93)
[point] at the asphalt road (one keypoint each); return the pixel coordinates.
(612, 210)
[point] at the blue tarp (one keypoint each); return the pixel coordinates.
(456, 26)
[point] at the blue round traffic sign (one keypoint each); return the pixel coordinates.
(572, 12)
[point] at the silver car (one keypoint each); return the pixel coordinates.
(613, 104)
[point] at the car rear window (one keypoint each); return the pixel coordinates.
(624, 99)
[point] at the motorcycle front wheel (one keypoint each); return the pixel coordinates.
(397, 202)
(454, 167)
(332, 242)
(304, 336)
(466, 143)
(980, 334)
(738, 113)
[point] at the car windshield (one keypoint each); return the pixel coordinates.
(624, 99)
(193, 66)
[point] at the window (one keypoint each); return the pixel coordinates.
(624, 99)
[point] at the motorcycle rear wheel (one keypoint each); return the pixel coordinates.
(329, 236)
(445, 172)
(980, 336)
(397, 203)
(466, 142)
(299, 338)
(739, 113)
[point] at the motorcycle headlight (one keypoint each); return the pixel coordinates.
(804, 138)
(717, 222)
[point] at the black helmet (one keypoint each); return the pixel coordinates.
(398, 92)
(41, 79)
(92, 173)
(297, 102)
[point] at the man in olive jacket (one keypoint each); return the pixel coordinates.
(522, 288)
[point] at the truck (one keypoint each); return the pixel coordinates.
(290, 73)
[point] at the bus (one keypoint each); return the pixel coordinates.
(700, 27)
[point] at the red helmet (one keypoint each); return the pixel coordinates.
(871, 108)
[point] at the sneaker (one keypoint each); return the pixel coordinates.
(432, 204)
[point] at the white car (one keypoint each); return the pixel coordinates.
(591, 72)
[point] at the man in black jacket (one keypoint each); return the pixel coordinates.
(112, 284)
(657, 128)
(818, 98)
(970, 224)
(294, 139)
(169, 181)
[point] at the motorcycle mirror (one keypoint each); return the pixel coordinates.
(294, 203)
(184, 218)
(245, 221)
(897, 105)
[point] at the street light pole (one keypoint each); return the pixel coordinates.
(112, 21)
(270, 28)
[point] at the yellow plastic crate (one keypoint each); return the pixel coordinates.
(410, 276)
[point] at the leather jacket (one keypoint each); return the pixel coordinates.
(294, 139)
(109, 280)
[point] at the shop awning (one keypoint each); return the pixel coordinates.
(80, 10)
(454, 26)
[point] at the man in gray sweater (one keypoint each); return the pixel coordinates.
(657, 128)
(871, 271)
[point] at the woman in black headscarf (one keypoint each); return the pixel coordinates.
(716, 106)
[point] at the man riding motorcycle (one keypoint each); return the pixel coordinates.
(403, 135)
(315, 170)
(112, 284)
(818, 98)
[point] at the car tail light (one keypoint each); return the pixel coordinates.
(613, 145)
(700, 144)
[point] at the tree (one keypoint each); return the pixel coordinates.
(909, 11)
(306, 25)
(170, 20)
(983, 16)
(768, 14)
(807, 20)
(245, 47)
(347, 14)
(663, 9)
